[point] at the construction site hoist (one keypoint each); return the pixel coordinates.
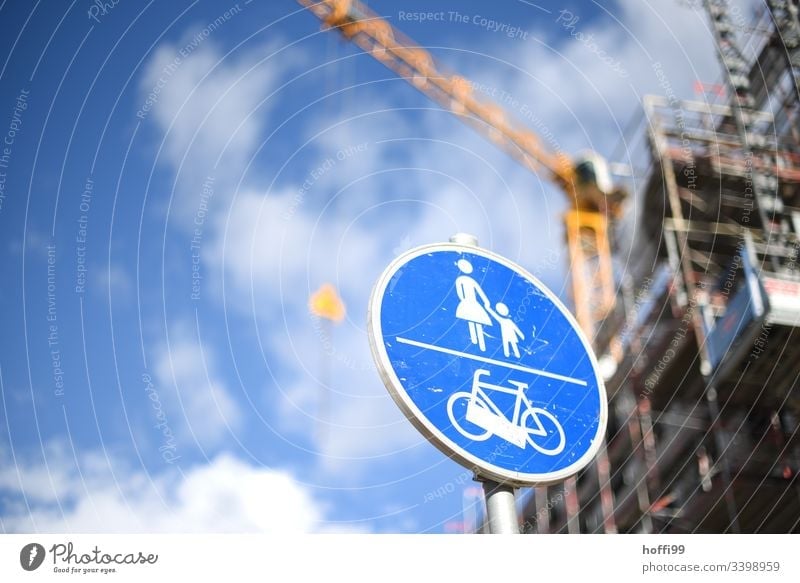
(585, 181)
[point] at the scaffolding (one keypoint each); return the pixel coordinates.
(704, 398)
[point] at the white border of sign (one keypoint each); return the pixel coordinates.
(420, 421)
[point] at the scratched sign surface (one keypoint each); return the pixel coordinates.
(488, 364)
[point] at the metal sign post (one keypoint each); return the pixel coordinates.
(501, 513)
(489, 366)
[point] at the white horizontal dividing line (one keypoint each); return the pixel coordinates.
(535, 371)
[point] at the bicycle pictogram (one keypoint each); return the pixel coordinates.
(476, 415)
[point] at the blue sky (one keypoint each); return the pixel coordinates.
(178, 177)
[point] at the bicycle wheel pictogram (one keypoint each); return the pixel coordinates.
(542, 427)
(458, 406)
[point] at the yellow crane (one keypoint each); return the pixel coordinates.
(585, 182)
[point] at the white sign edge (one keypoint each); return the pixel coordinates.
(480, 467)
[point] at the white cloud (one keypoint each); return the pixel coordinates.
(346, 412)
(466, 185)
(258, 245)
(211, 109)
(225, 495)
(112, 279)
(274, 263)
(205, 410)
(36, 481)
(207, 99)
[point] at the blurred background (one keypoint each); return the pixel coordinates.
(197, 197)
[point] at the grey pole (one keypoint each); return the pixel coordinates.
(501, 514)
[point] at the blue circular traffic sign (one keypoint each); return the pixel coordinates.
(488, 364)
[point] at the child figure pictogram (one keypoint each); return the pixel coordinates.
(509, 331)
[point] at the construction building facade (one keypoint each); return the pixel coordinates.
(701, 351)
